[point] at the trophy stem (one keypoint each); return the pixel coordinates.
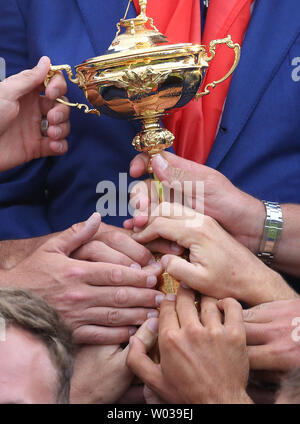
(153, 138)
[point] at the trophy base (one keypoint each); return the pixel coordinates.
(153, 138)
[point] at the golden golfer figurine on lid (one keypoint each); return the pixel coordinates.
(143, 77)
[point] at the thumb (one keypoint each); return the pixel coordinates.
(75, 236)
(147, 334)
(18, 85)
(170, 168)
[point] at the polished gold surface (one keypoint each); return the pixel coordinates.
(143, 77)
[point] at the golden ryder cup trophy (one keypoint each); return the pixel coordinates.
(143, 77)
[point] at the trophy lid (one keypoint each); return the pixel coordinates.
(141, 39)
(140, 33)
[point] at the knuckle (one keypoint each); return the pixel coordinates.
(193, 331)
(116, 275)
(113, 317)
(28, 74)
(73, 296)
(208, 221)
(116, 237)
(215, 333)
(236, 336)
(74, 273)
(121, 296)
(169, 338)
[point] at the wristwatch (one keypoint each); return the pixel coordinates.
(272, 232)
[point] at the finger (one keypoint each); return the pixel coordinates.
(57, 87)
(46, 104)
(59, 132)
(151, 397)
(182, 270)
(50, 147)
(262, 313)
(165, 247)
(123, 297)
(58, 114)
(97, 335)
(106, 274)
(139, 165)
(141, 193)
(164, 228)
(72, 238)
(140, 220)
(263, 358)
(117, 317)
(96, 251)
(168, 319)
(147, 334)
(126, 245)
(23, 83)
(257, 334)
(210, 314)
(185, 307)
(170, 167)
(176, 211)
(127, 224)
(141, 365)
(233, 312)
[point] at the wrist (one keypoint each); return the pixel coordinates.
(268, 286)
(251, 217)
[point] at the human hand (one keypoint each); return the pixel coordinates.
(239, 213)
(21, 110)
(219, 265)
(210, 358)
(101, 302)
(273, 336)
(101, 374)
(114, 246)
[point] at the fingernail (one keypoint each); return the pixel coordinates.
(164, 261)
(152, 325)
(151, 281)
(151, 262)
(160, 162)
(137, 229)
(57, 132)
(132, 331)
(171, 297)
(130, 340)
(42, 62)
(159, 298)
(184, 286)
(56, 146)
(58, 117)
(153, 314)
(175, 248)
(94, 220)
(135, 266)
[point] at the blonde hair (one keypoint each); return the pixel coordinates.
(33, 314)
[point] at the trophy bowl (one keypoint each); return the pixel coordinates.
(143, 77)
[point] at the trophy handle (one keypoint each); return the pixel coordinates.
(53, 71)
(212, 50)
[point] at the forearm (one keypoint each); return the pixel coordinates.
(265, 285)
(14, 251)
(288, 247)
